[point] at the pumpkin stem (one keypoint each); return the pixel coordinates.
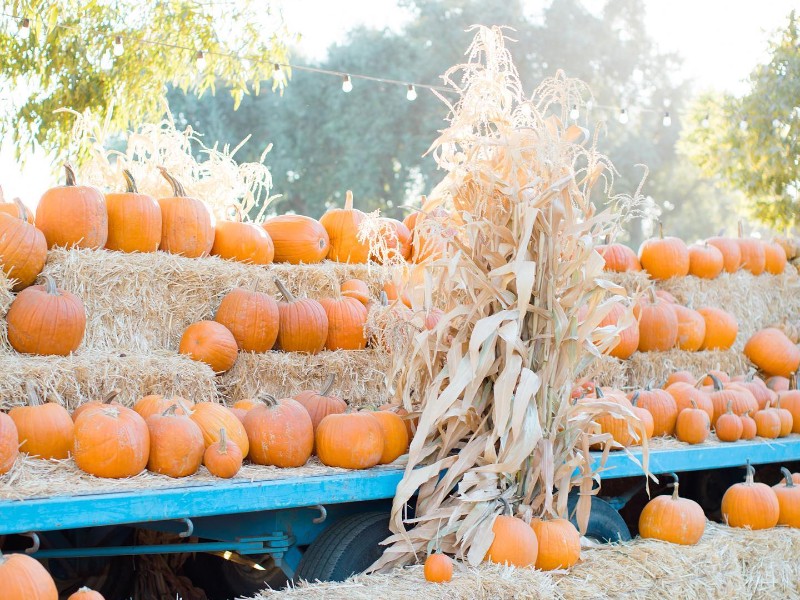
(729, 407)
(287, 295)
(348, 200)
(328, 384)
(177, 188)
(23, 210)
(694, 404)
(793, 381)
(506, 506)
(649, 385)
(237, 211)
(384, 298)
(600, 395)
(267, 399)
(70, 175)
(741, 229)
(660, 229)
(788, 476)
(170, 410)
(653, 297)
(50, 285)
(749, 377)
(223, 442)
(718, 387)
(635, 397)
(675, 484)
(748, 480)
(130, 182)
(111, 395)
(608, 239)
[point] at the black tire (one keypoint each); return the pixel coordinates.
(222, 579)
(345, 548)
(605, 523)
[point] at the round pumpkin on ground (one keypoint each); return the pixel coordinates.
(750, 505)
(559, 544)
(350, 440)
(280, 433)
(24, 578)
(134, 219)
(186, 225)
(111, 441)
(297, 239)
(514, 544)
(438, 568)
(673, 519)
(210, 342)
(252, 317)
(223, 458)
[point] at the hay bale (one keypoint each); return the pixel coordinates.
(608, 371)
(6, 298)
(360, 375)
(89, 375)
(145, 301)
(634, 281)
(648, 366)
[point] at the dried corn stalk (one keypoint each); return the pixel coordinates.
(492, 381)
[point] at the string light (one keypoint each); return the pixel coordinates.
(347, 84)
(743, 124)
(411, 94)
(118, 49)
(705, 122)
(24, 30)
(573, 113)
(667, 120)
(623, 116)
(200, 60)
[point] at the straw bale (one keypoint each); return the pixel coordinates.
(608, 371)
(6, 297)
(89, 375)
(632, 281)
(360, 375)
(648, 366)
(145, 301)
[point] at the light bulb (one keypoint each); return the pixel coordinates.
(623, 116)
(24, 30)
(347, 84)
(118, 49)
(743, 124)
(277, 73)
(705, 122)
(667, 102)
(589, 105)
(667, 121)
(573, 113)
(411, 94)
(200, 60)
(106, 62)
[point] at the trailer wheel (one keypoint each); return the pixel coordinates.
(345, 548)
(220, 578)
(605, 523)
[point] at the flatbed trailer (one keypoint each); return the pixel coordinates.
(271, 530)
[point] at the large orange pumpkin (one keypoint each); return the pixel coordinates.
(772, 352)
(73, 215)
(661, 405)
(721, 329)
(24, 578)
(658, 324)
(685, 394)
(788, 494)
(664, 257)
(342, 226)
(23, 248)
(134, 219)
(242, 242)
(754, 258)
(45, 430)
(223, 458)
(210, 342)
(320, 404)
(212, 417)
(731, 252)
(252, 318)
(347, 321)
(297, 239)
(176, 444)
(9, 443)
(705, 261)
(750, 505)
(559, 544)
(111, 441)
(280, 433)
(673, 519)
(775, 258)
(186, 224)
(395, 435)
(514, 543)
(46, 320)
(350, 440)
(303, 323)
(691, 328)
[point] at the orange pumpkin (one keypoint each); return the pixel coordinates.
(23, 248)
(754, 258)
(319, 404)
(664, 257)
(672, 519)
(760, 392)
(155, 404)
(46, 320)
(750, 505)
(9, 443)
(355, 288)
(396, 292)
(251, 317)
(680, 376)
(186, 224)
(426, 243)
(728, 426)
(12, 208)
(86, 593)
(786, 417)
(691, 328)
(111, 441)
(350, 440)
(740, 398)
(397, 238)
(342, 226)
(666, 296)
(788, 494)
(280, 433)
(775, 258)
(438, 568)
(658, 324)
(661, 405)
(210, 342)
(45, 430)
(24, 578)
(768, 423)
(223, 458)
(619, 258)
(723, 377)
(109, 399)
(693, 425)
(772, 352)
(297, 239)
(303, 323)
(686, 396)
(176, 444)
(628, 337)
(411, 424)
(731, 252)
(134, 219)
(243, 242)
(705, 261)
(212, 417)
(559, 544)
(748, 426)
(790, 400)
(395, 436)
(777, 383)
(347, 322)
(73, 215)
(618, 428)
(514, 543)
(721, 329)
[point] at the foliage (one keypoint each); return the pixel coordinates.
(761, 159)
(68, 59)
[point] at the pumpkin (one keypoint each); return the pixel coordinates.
(347, 321)
(212, 417)
(768, 423)
(397, 238)
(788, 494)
(223, 458)
(647, 424)
(9, 443)
(395, 436)
(754, 258)
(111, 441)
(693, 425)
(680, 376)
(619, 258)
(514, 542)
(778, 383)
(297, 239)
(45, 430)
(658, 324)
(771, 351)
(243, 242)
(210, 342)
(73, 215)
(342, 226)
(438, 568)
(23, 248)
(559, 544)
(154, 404)
(691, 328)
(280, 433)
(748, 426)
(24, 578)
(728, 425)
(664, 257)
(251, 317)
(134, 219)
(750, 505)
(661, 405)
(628, 337)
(790, 400)
(774, 258)
(705, 261)
(176, 444)
(46, 320)
(350, 440)
(721, 329)
(396, 292)
(13, 209)
(687, 396)
(303, 323)
(427, 243)
(789, 245)
(731, 252)
(666, 296)
(786, 417)
(618, 428)
(741, 399)
(672, 519)
(239, 412)
(355, 288)
(86, 593)
(723, 377)
(434, 315)
(319, 404)
(410, 423)
(186, 224)
(109, 399)
(247, 404)
(760, 392)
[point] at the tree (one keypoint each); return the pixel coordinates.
(752, 143)
(67, 59)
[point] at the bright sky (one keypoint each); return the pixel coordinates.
(720, 41)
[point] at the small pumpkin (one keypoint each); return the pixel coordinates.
(774, 258)
(788, 494)
(320, 404)
(728, 426)
(223, 458)
(9, 443)
(243, 242)
(210, 342)
(721, 329)
(86, 593)
(211, 417)
(342, 226)
(251, 317)
(24, 578)
(395, 436)
(619, 258)
(731, 252)
(693, 425)
(559, 544)
(438, 568)
(786, 418)
(134, 219)
(754, 258)
(303, 323)
(768, 423)
(514, 542)
(750, 505)
(658, 324)
(297, 239)
(661, 405)
(691, 328)
(749, 428)
(771, 351)
(777, 383)
(672, 519)
(664, 257)
(347, 322)
(186, 224)
(23, 248)
(45, 430)
(46, 320)
(176, 444)
(355, 288)
(73, 215)
(350, 440)
(280, 433)
(111, 441)
(705, 261)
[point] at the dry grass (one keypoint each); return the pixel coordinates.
(643, 367)
(6, 297)
(608, 371)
